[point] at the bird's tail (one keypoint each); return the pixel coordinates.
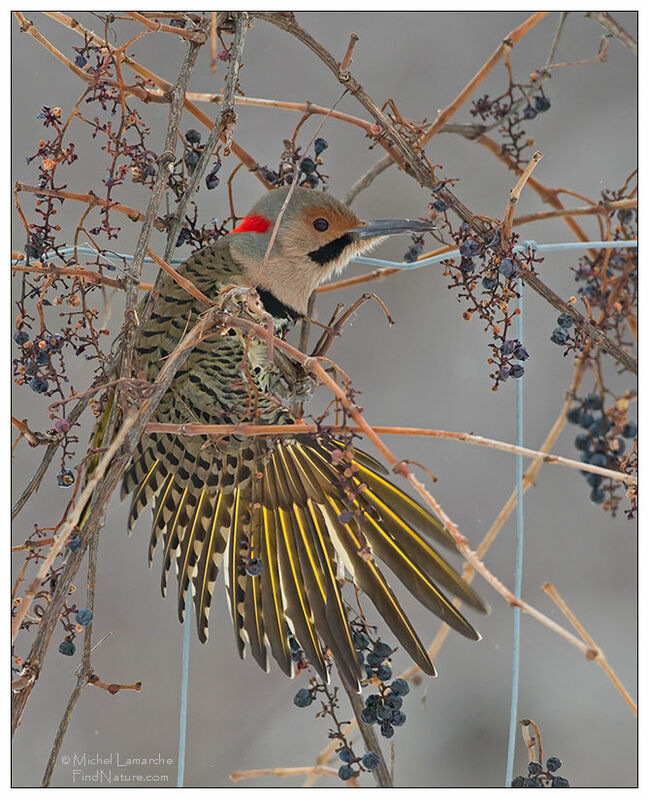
(282, 518)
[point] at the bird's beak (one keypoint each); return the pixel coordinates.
(377, 228)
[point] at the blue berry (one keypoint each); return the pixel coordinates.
(39, 385)
(565, 320)
(489, 283)
(394, 701)
(183, 237)
(370, 761)
(374, 660)
(440, 206)
(42, 358)
(308, 166)
(553, 764)
(532, 782)
(400, 687)
(518, 782)
(558, 336)
(521, 354)
(384, 673)
(594, 480)
(386, 729)
(191, 159)
(346, 772)
(593, 401)
(84, 616)
(193, 136)
(541, 103)
(466, 265)
(383, 650)
(398, 718)
(598, 459)
(469, 248)
(74, 544)
(630, 430)
(65, 478)
(21, 337)
(585, 420)
(508, 268)
(67, 648)
(517, 370)
(346, 755)
(574, 415)
(320, 145)
(254, 567)
(413, 253)
(508, 347)
(373, 700)
(621, 446)
(384, 713)
(599, 426)
(529, 112)
(503, 372)
(582, 441)
(597, 496)
(268, 175)
(80, 61)
(560, 782)
(303, 697)
(361, 641)
(211, 179)
(534, 767)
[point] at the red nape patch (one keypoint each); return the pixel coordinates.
(252, 224)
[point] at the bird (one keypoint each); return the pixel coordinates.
(284, 517)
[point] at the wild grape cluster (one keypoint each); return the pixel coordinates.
(538, 777)
(309, 173)
(603, 441)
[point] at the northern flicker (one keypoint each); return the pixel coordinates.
(284, 517)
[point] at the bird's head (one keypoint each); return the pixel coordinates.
(317, 236)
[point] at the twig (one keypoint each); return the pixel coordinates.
(213, 42)
(289, 771)
(594, 653)
(532, 742)
(195, 36)
(132, 213)
(515, 194)
(301, 429)
(607, 22)
(381, 773)
(557, 35)
(347, 58)
(114, 687)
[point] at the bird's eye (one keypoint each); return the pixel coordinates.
(320, 224)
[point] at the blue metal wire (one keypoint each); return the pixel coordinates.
(378, 263)
(518, 579)
(184, 692)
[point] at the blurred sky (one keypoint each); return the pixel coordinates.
(428, 370)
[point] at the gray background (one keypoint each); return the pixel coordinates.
(429, 370)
